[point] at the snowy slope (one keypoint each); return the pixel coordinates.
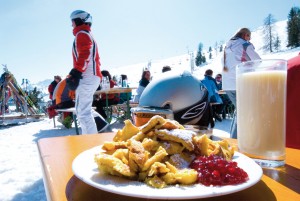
(183, 62)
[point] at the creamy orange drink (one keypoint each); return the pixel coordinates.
(261, 96)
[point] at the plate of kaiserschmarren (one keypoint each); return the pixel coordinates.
(163, 160)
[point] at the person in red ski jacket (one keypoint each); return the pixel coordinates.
(85, 75)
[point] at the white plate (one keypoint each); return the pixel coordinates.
(86, 170)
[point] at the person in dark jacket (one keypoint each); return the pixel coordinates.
(52, 86)
(213, 96)
(145, 80)
(63, 96)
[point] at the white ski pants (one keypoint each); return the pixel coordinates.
(84, 99)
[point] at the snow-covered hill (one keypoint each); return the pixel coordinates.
(43, 87)
(183, 62)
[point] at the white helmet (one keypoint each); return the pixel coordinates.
(83, 15)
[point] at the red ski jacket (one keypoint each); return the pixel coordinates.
(85, 52)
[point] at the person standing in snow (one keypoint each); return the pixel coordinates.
(85, 75)
(238, 49)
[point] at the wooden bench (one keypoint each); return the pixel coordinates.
(74, 116)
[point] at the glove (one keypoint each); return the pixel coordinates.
(51, 111)
(73, 79)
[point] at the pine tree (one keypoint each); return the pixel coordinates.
(203, 59)
(221, 48)
(34, 96)
(199, 57)
(268, 30)
(293, 27)
(277, 43)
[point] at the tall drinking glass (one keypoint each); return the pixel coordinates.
(261, 110)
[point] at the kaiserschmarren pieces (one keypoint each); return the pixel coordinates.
(156, 182)
(150, 144)
(158, 153)
(227, 152)
(171, 124)
(111, 146)
(158, 168)
(206, 147)
(157, 157)
(182, 176)
(181, 160)
(112, 165)
(127, 132)
(185, 137)
(172, 147)
(137, 153)
(122, 154)
(155, 122)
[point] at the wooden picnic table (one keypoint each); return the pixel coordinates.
(118, 90)
(57, 154)
(115, 90)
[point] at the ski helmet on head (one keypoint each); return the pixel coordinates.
(182, 93)
(84, 16)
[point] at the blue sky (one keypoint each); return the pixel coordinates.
(36, 35)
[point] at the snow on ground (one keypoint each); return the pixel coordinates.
(20, 170)
(21, 176)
